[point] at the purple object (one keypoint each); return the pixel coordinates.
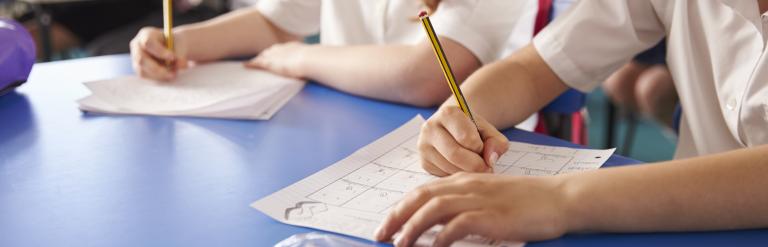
(17, 55)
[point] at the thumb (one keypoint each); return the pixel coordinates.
(495, 143)
(494, 148)
(254, 63)
(181, 63)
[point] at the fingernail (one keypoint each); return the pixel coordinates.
(437, 242)
(494, 158)
(377, 234)
(399, 241)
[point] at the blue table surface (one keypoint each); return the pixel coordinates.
(74, 179)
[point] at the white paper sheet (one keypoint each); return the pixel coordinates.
(353, 196)
(219, 90)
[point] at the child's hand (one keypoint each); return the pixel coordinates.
(431, 4)
(283, 59)
(495, 206)
(149, 55)
(450, 143)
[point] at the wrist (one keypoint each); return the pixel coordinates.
(181, 41)
(303, 63)
(573, 204)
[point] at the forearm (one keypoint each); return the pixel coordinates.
(239, 33)
(508, 91)
(715, 192)
(401, 73)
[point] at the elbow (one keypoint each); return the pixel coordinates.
(424, 98)
(425, 85)
(423, 90)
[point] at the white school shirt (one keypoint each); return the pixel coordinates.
(715, 53)
(522, 34)
(482, 26)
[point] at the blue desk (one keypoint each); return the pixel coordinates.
(69, 179)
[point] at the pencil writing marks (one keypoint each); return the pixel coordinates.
(354, 195)
(304, 210)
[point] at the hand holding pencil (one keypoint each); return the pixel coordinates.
(159, 54)
(453, 139)
(445, 65)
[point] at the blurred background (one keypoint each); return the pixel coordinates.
(66, 29)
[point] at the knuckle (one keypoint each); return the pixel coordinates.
(461, 176)
(422, 144)
(425, 164)
(458, 177)
(431, 169)
(465, 221)
(422, 193)
(396, 212)
(148, 31)
(150, 46)
(476, 144)
(473, 182)
(453, 111)
(443, 112)
(145, 30)
(408, 228)
(476, 167)
(143, 37)
(468, 179)
(440, 203)
(458, 227)
(468, 139)
(454, 153)
(430, 124)
(141, 34)
(425, 126)
(463, 137)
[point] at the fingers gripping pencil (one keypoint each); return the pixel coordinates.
(443, 60)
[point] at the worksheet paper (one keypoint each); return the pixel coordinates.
(218, 90)
(353, 196)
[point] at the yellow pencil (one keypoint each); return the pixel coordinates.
(168, 27)
(445, 66)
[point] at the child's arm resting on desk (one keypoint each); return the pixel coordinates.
(717, 192)
(721, 191)
(407, 74)
(239, 33)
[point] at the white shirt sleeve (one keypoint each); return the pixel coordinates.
(298, 17)
(482, 26)
(596, 37)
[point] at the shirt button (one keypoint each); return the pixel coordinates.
(731, 105)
